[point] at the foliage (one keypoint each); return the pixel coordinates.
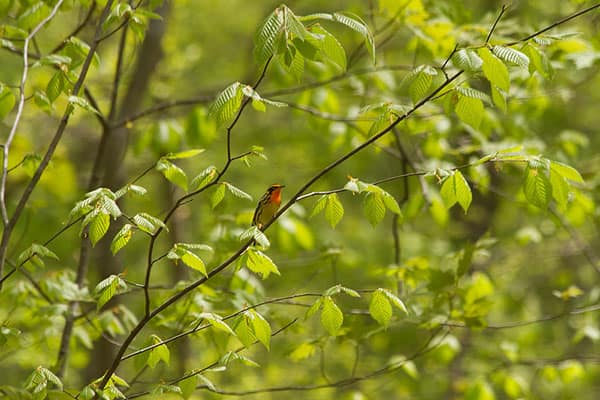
(438, 231)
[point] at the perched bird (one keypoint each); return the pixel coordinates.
(267, 206)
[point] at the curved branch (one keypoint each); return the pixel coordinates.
(20, 106)
(150, 314)
(11, 223)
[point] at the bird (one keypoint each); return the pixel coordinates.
(267, 206)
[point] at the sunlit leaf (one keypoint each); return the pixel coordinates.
(380, 308)
(158, 354)
(98, 227)
(217, 196)
(173, 173)
(537, 187)
(82, 103)
(374, 207)
(511, 55)
(470, 110)
(566, 171)
(494, 69)
(455, 189)
(467, 59)
(227, 103)
(184, 154)
(107, 288)
(331, 316)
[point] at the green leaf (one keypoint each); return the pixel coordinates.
(37, 383)
(259, 105)
(267, 36)
(193, 261)
(331, 48)
(36, 250)
(319, 206)
(77, 50)
(159, 353)
(560, 188)
(50, 377)
(237, 192)
(331, 316)
(233, 356)
(107, 288)
(43, 102)
(456, 189)
(163, 389)
(499, 98)
(56, 60)
(184, 154)
(217, 196)
(494, 69)
(254, 233)
(467, 59)
(249, 91)
(421, 82)
(470, 111)
(316, 306)
(302, 352)
(33, 15)
(55, 86)
(188, 385)
(98, 227)
(350, 292)
(260, 328)
(537, 187)
(566, 171)
(173, 173)
(511, 55)
(473, 93)
(538, 61)
(181, 251)
(109, 206)
(332, 291)
(355, 23)
(374, 207)
(204, 178)
(227, 103)
(7, 101)
(129, 188)
(334, 210)
(396, 302)
(217, 322)
(258, 262)
(380, 308)
(87, 393)
(82, 103)
(391, 203)
(148, 223)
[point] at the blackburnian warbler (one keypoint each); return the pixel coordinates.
(267, 206)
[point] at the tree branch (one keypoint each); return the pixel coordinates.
(15, 124)
(11, 223)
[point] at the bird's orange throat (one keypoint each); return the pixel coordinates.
(276, 196)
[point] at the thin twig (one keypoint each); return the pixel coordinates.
(214, 364)
(20, 106)
(77, 29)
(200, 327)
(8, 228)
(423, 350)
(493, 28)
(554, 25)
(182, 293)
